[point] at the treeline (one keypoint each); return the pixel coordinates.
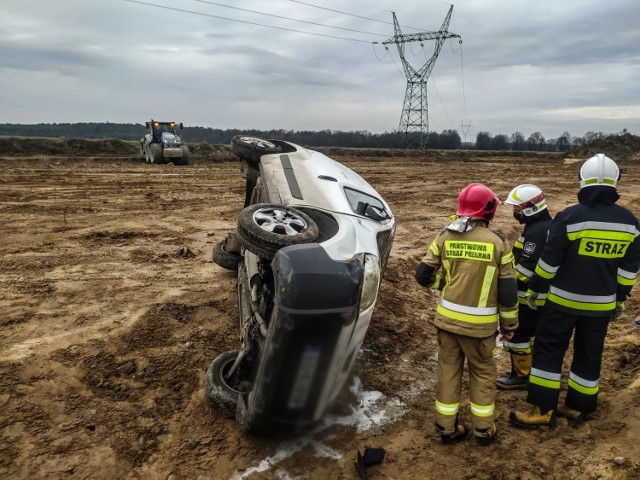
(447, 139)
(537, 142)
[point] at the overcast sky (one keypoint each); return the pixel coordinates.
(529, 65)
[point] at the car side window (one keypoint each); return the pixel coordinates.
(366, 205)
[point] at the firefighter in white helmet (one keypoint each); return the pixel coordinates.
(587, 269)
(472, 266)
(530, 209)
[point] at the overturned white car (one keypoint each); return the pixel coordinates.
(310, 248)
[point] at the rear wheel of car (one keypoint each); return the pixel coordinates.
(218, 389)
(252, 148)
(265, 228)
(225, 259)
(155, 153)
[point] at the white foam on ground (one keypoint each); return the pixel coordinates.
(373, 409)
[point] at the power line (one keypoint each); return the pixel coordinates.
(433, 82)
(287, 18)
(349, 14)
(246, 21)
(464, 97)
(368, 6)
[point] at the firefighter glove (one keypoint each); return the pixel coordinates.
(530, 297)
(618, 311)
(437, 282)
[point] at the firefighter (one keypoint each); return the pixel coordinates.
(530, 209)
(587, 269)
(472, 266)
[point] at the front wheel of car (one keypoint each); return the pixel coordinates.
(265, 228)
(252, 148)
(218, 389)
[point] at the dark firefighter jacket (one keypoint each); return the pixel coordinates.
(592, 255)
(527, 251)
(478, 285)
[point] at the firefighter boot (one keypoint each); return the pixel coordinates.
(518, 377)
(533, 418)
(459, 433)
(575, 417)
(486, 436)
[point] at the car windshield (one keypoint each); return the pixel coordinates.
(366, 205)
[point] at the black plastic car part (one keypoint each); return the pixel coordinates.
(316, 302)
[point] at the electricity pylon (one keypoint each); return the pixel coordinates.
(414, 123)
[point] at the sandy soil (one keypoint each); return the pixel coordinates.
(110, 311)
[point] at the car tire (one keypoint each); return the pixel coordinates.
(225, 259)
(218, 390)
(155, 153)
(252, 148)
(265, 228)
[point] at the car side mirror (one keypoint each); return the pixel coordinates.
(376, 213)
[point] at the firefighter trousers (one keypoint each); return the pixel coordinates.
(523, 338)
(552, 340)
(452, 351)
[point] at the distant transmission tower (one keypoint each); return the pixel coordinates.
(465, 127)
(414, 123)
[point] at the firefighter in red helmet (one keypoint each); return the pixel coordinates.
(472, 266)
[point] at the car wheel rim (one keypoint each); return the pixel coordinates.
(281, 222)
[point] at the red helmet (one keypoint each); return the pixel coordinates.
(477, 201)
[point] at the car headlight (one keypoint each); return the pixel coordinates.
(370, 281)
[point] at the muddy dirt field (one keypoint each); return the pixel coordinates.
(110, 312)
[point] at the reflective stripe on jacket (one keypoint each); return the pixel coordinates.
(472, 264)
(591, 259)
(527, 251)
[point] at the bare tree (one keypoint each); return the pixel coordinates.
(564, 141)
(536, 141)
(518, 141)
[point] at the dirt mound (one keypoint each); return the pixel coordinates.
(77, 147)
(27, 146)
(622, 148)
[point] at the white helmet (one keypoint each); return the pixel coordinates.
(599, 170)
(528, 197)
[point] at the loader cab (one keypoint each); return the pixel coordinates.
(158, 128)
